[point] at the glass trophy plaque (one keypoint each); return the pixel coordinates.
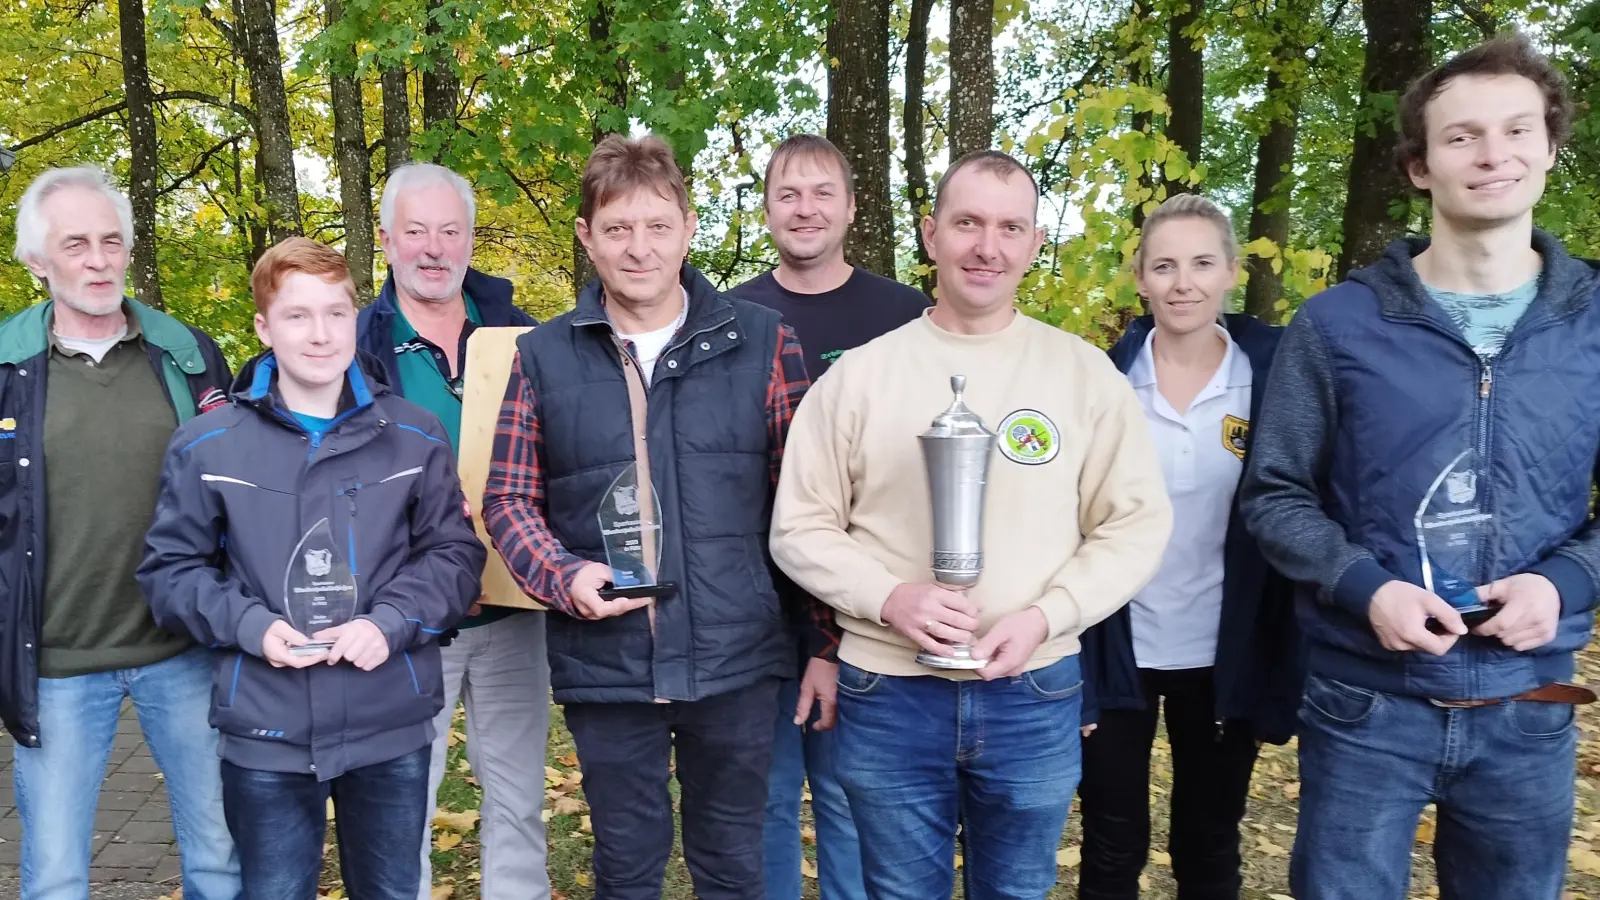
(1455, 535)
(630, 527)
(319, 590)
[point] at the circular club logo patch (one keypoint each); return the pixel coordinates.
(1028, 436)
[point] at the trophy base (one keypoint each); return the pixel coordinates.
(961, 659)
(641, 590)
(315, 648)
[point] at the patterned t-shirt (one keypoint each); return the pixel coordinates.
(1486, 319)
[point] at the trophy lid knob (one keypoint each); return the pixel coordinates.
(957, 420)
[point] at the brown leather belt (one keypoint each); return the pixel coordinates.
(1554, 692)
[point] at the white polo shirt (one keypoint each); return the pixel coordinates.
(1175, 617)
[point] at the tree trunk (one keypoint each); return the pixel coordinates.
(1143, 121)
(971, 76)
(1186, 88)
(142, 142)
(614, 88)
(858, 124)
(396, 119)
(1397, 52)
(916, 152)
(258, 30)
(440, 87)
(355, 165)
(1269, 203)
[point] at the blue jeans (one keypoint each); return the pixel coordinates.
(280, 819)
(1501, 777)
(801, 756)
(920, 755)
(58, 782)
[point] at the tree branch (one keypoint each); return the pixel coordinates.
(222, 27)
(201, 163)
(246, 112)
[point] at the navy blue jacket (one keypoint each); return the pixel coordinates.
(1373, 392)
(240, 486)
(375, 323)
(711, 456)
(1259, 665)
(195, 378)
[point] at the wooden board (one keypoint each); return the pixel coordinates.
(489, 353)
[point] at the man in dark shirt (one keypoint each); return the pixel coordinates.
(832, 307)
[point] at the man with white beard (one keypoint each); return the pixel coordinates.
(80, 467)
(418, 328)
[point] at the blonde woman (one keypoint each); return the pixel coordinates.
(1210, 642)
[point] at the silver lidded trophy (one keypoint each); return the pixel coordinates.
(955, 451)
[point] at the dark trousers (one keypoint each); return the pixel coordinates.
(1210, 778)
(279, 820)
(723, 748)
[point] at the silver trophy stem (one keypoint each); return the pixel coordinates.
(955, 453)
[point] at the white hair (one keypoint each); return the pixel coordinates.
(31, 226)
(417, 175)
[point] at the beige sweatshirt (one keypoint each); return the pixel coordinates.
(1076, 514)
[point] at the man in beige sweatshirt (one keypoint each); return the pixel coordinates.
(1076, 518)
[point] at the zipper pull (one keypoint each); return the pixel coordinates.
(1485, 382)
(351, 496)
(1219, 731)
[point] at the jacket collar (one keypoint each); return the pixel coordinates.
(27, 334)
(1257, 339)
(492, 295)
(1566, 286)
(256, 385)
(708, 307)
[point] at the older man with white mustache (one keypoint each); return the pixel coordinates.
(418, 327)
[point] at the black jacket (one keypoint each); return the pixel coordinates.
(195, 378)
(241, 485)
(375, 323)
(711, 448)
(1259, 665)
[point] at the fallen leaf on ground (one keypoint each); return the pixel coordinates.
(457, 821)
(808, 868)
(1584, 860)
(571, 759)
(582, 878)
(444, 892)
(1426, 831)
(447, 840)
(1069, 857)
(586, 825)
(568, 806)
(1161, 858)
(1269, 848)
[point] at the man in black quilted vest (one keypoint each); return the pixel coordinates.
(667, 403)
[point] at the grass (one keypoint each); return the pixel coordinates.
(1268, 831)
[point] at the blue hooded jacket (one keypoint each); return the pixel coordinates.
(1259, 665)
(1373, 392)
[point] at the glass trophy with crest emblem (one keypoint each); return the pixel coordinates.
(1455, 536)
(319, 590)
(630, 528)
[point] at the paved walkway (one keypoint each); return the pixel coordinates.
(135, 853)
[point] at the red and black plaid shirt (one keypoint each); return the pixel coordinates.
(514, 496)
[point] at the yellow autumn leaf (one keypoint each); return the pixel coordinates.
(808, 868)
(1426, 831)
(1161, 858)
(1584, 860)
(581, 878)
(959, 862)
(1069, 857)
(443, 892)
(1291, 791)
(568, 806)
(457, 821)
(455, 738)
(1269, 848)
(586, 825)
(330, 809)
(446, 840)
